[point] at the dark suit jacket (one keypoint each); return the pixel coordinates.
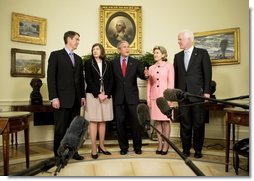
(65, 81)
(197, 79)
(93, 78)
(126, 87)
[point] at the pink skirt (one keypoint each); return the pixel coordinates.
(156, 114)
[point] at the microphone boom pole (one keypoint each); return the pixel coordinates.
(219, 101)
(188, 162)
(42, 166)
(235, 98)
(144, 120)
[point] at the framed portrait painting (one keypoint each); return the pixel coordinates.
(28, 29)
(121, 23)
(27, 63)
(222, 45)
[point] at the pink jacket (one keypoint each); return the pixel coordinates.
(161, 77)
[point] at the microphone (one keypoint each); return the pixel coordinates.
(174, 95)
(144, 115)
(178, 95)
(144, 119)
(71, 141)
(162, 104)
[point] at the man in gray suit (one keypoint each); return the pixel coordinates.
(193, 74)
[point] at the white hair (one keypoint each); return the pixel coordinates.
(188, 34)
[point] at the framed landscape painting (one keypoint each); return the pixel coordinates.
(27, 63)
(222, 45)
(28, 29)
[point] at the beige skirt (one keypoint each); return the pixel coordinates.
(97, 111)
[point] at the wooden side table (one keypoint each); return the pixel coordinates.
(234, 116)
(11, 122)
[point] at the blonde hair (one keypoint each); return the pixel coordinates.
(163, 51)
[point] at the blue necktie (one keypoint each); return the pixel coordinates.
(186, 59)
(72, 58)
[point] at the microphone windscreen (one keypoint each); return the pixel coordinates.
(77, 125)
(75, 133)
(143, 114)
(162, 104)
(173, 94)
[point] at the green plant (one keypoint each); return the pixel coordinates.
(147, 59)
(86, 57)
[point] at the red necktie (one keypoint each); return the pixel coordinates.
(124, 67)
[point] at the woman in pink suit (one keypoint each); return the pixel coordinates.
(161, 77)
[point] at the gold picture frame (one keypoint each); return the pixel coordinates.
(112, 19)
(27, 63)
(223, 45)
(28, 29)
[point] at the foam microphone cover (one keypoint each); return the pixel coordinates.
(173, 94)
(143, 113)
(162, 104)
(75, 133)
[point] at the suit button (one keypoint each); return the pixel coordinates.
(157, 72)
(157, 85)
(157, 78)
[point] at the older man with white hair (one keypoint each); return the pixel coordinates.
(193, 74)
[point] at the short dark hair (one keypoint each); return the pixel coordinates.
(103, 54)
(70, 34)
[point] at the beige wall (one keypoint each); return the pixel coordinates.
(161, 22)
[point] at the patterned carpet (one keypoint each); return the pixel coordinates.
(213, 157)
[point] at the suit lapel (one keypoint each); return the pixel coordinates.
(193, 57)
(129, 66)
(95, 66)
(182, 61)
(104, 67)
(67, 58)
(119, 68)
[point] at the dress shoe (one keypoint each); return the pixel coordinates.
(123, 152)
(76, 156)
(164, 152)
(198, 154)
(94, 156)
(158, 152)
(100, 150)
(186, 153)
(138, 152)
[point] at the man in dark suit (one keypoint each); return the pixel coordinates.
(66, 87)
(126, 96)
(193, 74)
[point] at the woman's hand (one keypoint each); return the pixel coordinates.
(102, 97)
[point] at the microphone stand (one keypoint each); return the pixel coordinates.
(39, 167)
(186, 94)
(63, 160)
(188, 162)
(235, 98)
